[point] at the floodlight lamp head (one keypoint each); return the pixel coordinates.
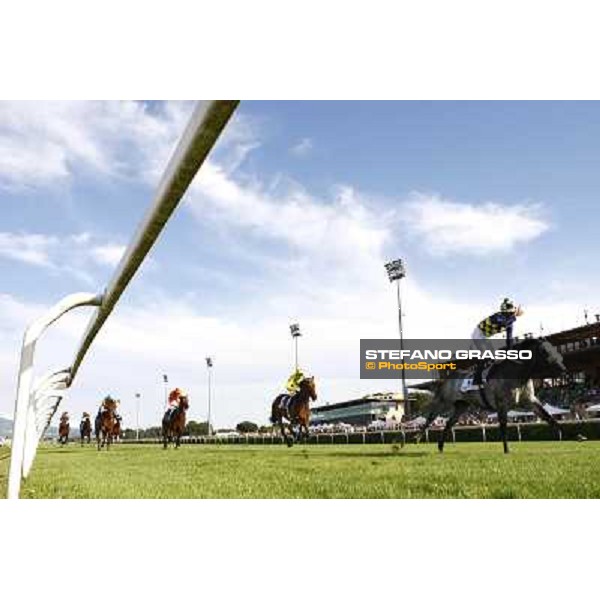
(295, 330)
(395, 269)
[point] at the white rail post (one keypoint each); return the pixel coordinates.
(44, 389)
(24, 397)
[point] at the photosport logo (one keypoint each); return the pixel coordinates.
(429, 359)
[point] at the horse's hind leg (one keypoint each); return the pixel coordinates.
(503, 425)
(430, 419)
(459, 408)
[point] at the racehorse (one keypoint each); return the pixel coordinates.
(506, 380)
(295, 410)
(105, 423)
(63, 430)
(173, 423)
(85, 429)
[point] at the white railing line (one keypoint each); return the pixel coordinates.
(200, 135)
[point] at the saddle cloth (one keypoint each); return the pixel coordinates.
(285, 403)
(467, 384)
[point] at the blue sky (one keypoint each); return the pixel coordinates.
(291, 219)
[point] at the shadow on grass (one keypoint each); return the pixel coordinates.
(389, 454)
(63, 450)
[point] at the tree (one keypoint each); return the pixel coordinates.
(247, 427)
(419, 403)
(195, 428)
(152, 432)
(129, 434)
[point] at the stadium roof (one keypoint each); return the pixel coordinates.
(583, 333)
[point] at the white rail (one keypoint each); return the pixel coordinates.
(200, 135)
(36, 404)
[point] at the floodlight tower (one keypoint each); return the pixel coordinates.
(209, 367)
(137, 417)
(396, 271)
(165, 385)
(295, 331)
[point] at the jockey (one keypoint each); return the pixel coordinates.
(173, 401)
(105, 406)
(293, 383)
(500, 321)
(64, 416)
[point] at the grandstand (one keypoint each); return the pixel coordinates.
(361, 411)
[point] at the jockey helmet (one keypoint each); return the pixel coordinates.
(508, 305)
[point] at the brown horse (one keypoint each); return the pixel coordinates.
(85, 429)
(173, 423)
(63, 430)
(295, 410)
(105, 423)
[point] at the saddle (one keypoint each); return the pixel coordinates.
(477, 382)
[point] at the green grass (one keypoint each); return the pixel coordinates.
(475, 470)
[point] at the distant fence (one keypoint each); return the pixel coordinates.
(517, 432)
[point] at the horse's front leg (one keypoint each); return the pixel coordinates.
(529, 393)
(289, 440)
(544, 414)
(282, 430)
(459, 408)
(304, 431)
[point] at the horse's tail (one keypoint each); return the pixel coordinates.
(273, 418)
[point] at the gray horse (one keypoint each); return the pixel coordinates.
(506, 380)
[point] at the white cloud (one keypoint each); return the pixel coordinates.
(446, 227)
(108, 254)
(32, 249)
(302, 148)
(74, 254)
(332, 234)
(42, 143)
